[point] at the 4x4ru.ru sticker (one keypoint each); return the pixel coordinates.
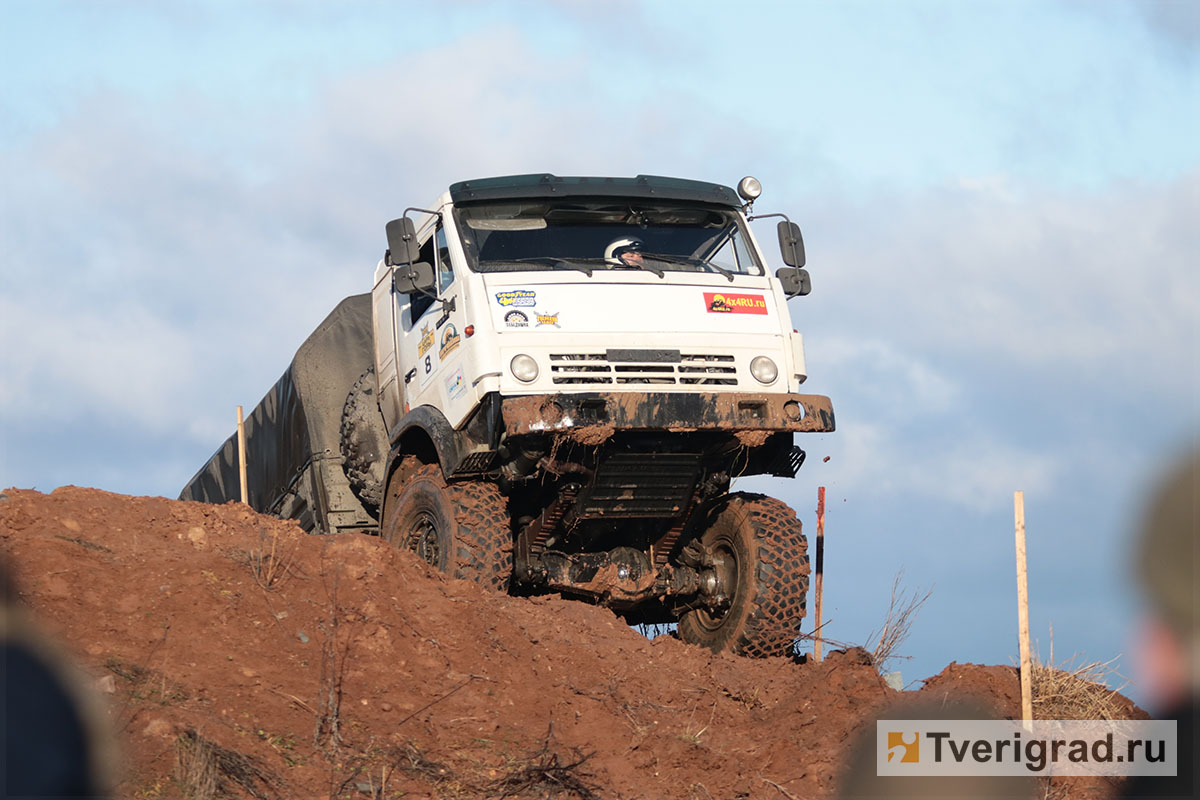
(726, 303)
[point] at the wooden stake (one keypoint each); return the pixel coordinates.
(242, 456)
(820, 568)
(1023, 613)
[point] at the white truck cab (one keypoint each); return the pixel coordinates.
(525, 300)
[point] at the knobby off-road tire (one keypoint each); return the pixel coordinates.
(462, 529)
(765, 559)
(364, 442)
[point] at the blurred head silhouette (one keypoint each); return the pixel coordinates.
(1168, 550)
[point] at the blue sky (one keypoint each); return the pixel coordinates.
(999, 202)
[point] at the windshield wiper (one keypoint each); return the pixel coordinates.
(690, 262)
(548, 261)
(642, 266)
(577, 263)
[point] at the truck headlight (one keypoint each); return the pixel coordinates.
(525, 369)
(763, 369)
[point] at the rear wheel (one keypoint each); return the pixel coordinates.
(461, 528)
(760, 558)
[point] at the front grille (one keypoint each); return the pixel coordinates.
(692, 369)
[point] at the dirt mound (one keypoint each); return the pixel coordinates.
(240, 653)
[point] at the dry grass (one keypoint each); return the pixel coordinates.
(445, 781)
(356, 769)
(147, 684)
(691, 733)
(1075, 689)
(196, 767)
(544, 774)
(902, 613)
(271, 563)
(417, 763)
(804, 641)
(204, 770)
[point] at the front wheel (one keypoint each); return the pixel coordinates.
(461, 529)
(759, 555)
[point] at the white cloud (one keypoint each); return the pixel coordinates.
(885, 461)
(888, 373)
(982, 474)
(1021, 277)
(995, 336)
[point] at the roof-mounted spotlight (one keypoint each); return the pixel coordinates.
(749, 189)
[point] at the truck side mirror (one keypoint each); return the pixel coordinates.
(796, 282)
(402, 242)
(791, 244)
(409, 278)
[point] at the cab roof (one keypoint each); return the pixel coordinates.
(518, 187)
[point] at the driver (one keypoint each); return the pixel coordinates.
(624, 252)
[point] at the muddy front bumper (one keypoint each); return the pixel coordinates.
(603, 413)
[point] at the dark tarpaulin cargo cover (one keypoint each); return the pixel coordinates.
(293, 455)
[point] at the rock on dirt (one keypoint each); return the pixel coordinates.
(252, 659)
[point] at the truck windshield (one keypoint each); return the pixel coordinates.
(578, 234)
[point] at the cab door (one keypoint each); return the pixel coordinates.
(429, 336)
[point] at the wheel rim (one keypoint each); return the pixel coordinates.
(422, 538)
(725, 564)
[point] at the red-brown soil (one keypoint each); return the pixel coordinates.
(339, 667)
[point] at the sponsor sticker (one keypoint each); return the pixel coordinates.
(727, 303)
(547, 319)
(456, 385)
(450, 342)
(426, 340)
(516, 319)
(517, 297)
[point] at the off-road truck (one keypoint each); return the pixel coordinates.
(559, 379)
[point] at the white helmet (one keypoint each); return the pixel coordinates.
(626, 244)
